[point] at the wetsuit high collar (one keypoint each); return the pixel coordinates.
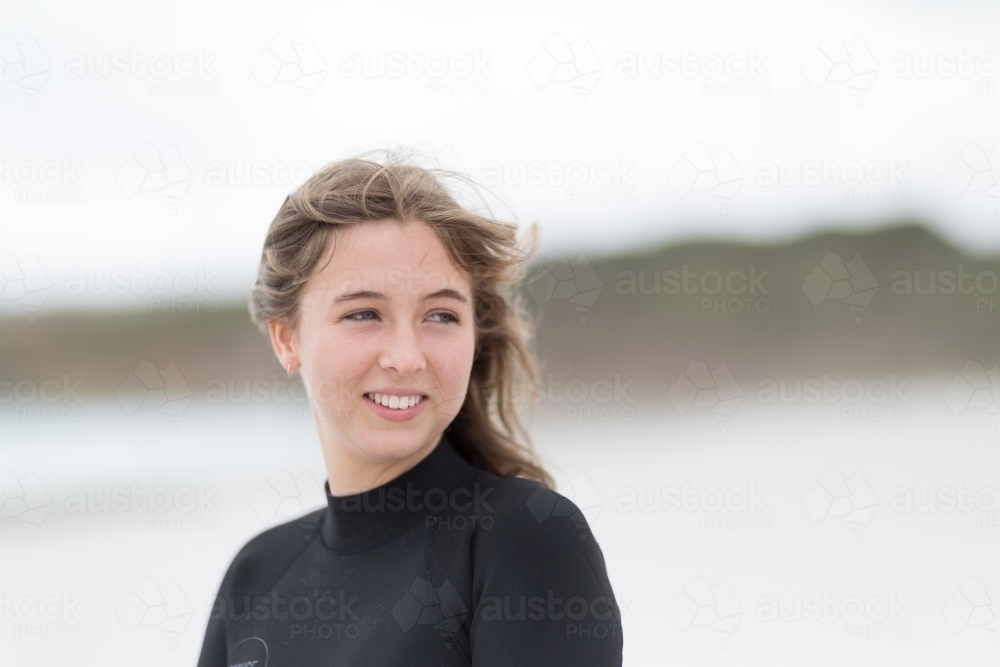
(372, 518)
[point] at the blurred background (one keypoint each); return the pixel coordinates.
(766, 297)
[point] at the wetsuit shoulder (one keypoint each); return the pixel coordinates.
(266, 556)
(541, 592)
(531, 518)
(257, 566)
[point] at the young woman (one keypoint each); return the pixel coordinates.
(441, 542)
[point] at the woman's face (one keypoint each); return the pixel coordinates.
(389, 317)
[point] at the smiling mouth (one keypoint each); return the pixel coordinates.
(395, 402)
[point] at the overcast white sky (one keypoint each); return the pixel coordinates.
(129, 128)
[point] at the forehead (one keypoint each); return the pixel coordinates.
(391, 257)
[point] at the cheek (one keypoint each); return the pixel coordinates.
(452, 363)
(337, 366)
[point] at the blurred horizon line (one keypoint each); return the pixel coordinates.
(230, 297)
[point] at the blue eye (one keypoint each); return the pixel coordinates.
(356, 317)
(360, 312)
(448, 315)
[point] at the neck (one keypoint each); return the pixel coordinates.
(350, 470)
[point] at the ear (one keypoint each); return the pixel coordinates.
(284, 344)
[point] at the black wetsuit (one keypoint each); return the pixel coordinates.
(445, 565)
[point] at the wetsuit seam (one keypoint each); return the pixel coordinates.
(281, 575)
(607, 594)
(429, 578)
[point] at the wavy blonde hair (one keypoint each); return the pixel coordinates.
(487, 432)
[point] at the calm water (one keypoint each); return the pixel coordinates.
(780, 535)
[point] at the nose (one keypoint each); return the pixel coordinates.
(402, 351)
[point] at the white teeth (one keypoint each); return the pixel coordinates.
(395, 402)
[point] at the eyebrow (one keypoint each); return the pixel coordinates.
(446, 293)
